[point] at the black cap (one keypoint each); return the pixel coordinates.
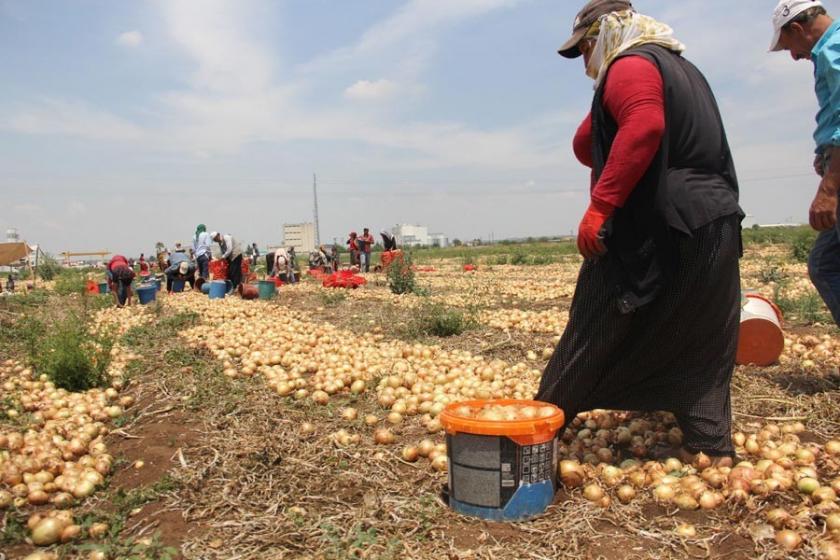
(588, 15)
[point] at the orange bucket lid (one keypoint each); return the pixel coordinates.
(454, 423)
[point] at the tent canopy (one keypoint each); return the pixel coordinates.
(12, 253)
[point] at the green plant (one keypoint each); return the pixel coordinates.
(67, 353)
(802, 245)
(808, 308)
(539, 260)
(332, 297)
(48, 267)
(14, 529)
(499, 260)
(401, 279)
(467, 258)
(435, 319)
(70, 282)
(519, 258)
(133, 549)
(770, 274)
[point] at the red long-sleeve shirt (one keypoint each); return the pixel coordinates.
(634, 96)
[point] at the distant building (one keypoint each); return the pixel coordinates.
(12, 235)
(411, 236)
(299, 236)
(438, 240)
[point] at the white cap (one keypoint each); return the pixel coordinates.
(184, 267)
(785, 12)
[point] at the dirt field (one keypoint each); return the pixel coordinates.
(214, 457)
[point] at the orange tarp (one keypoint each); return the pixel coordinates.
(12, 253)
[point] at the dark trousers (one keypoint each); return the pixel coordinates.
(824, 268)
(235, 272)
(203, 266)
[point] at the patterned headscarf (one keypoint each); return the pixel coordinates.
(618, 32)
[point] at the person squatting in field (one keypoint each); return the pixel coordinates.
(654, 320)
(807, 32)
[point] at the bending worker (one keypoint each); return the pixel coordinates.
(804, 28)
(232, 253)
(654, 319)
(183, 271)
(120, 276)
(282, 266)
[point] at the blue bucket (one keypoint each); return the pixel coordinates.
(103, 288)
(218, 289)
(146, 294)
(178, 286)
(501, 471)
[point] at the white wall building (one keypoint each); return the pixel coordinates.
(438, 240)
(411, 236)
(299, 236)
(12, 235)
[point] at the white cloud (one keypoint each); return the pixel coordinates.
(66, 118)
(130, 39)
(365, 90)
(220, 37)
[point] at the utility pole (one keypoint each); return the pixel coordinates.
(317, 225)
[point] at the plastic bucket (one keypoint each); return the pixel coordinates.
(103, 288)
(146, 294)
(178, 286)
(267, 289)
(501, 471)
(761, 340)
(249, 291)
(217, 289)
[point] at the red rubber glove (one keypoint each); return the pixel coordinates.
(590, 243)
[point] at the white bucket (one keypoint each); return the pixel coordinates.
(761, 340)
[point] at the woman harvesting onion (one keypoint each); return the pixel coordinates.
(654, 320)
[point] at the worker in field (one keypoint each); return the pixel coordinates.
(120, 275)
(232, 253)
(335, 257)
(143, 264)
(353, 247)
(255, 254)
(162, 254)
(807, 32)
(389, 243)
(10, 283)
(201, 251)
(282, 266)
(655, 316)
(176, 259)
(183, 271)
(366, 248)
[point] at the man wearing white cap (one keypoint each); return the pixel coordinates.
(183, 271)
(804, 28)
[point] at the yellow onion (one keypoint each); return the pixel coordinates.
(686, 531)
(383, 436)
(626, 494)
(593, 492)
(788, 540)
(47, 531)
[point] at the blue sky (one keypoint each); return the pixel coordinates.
(124, 123)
